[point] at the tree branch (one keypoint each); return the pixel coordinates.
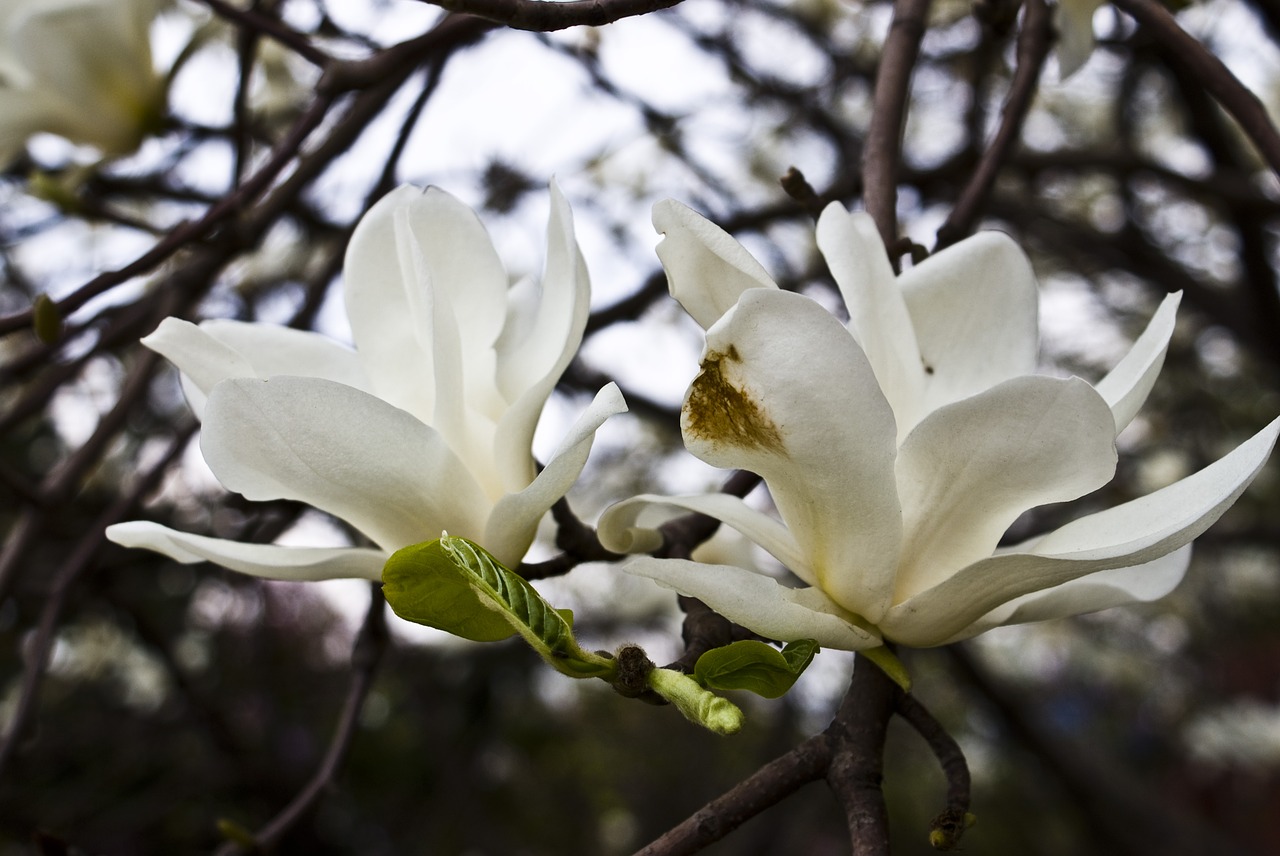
(1033, 46)
(883, 150)
(543, 16)
(1225, 87)
(766, 787)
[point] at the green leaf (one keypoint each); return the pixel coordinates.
(424, 585)
(455, 585)
(755, 666)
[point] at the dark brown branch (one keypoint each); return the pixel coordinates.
(1033, 46)
(544, 17)
(1225, 87)
(766, 787)
(883, 150)
(255, 22)
(857, 756)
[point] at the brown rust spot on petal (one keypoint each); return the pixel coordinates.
(719, 412)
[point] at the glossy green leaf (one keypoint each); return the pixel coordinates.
(455, 585)
(424, 585)
(755, 666)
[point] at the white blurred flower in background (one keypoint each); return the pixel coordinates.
(81, 69)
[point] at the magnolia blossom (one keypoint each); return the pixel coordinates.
(426, 426)
(1075, 43)
(899, 449)
(78, 68)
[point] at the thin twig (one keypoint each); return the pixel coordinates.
(1033, 46)
(1225, 87)
(544, 17)
(883, 149)
(270, 26)
(369, 647)
(951, 823)
(766, 787)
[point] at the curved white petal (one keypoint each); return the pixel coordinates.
(971, 468)
(785, 392)
(974, 309)
(419, 263)
(23, 115)
(260, 560)
(758, 603)
(1127, 385)
(878, 319)
(545, 343)
(1133, 533)
(1102, 590)
(217, 350)
(344, 452)
(515, 517)
(531, 361)
(620, 528)
(91, 64)
(1075, 34)
(707, 270)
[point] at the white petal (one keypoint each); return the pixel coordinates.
(1075, 34)
(515, 518)
(1134, 533)
(620, 528)
(707, 270)
(1127, 385)
(974, 309)
(758, 603)
(259, 560)
(414, 255)
(217, 350)
(1103, 590)
(878, 316)
(344, 452)
(971, 468)
(92, 64)
(539, 351)
(785, 392)
(531, 361)
(24, 113)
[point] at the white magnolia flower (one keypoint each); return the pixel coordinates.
(900, 449)
(1074, 23)
(426, 426)
(78, 68)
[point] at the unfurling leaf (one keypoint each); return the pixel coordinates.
(698, 705)
(455, 585)
(755, 666)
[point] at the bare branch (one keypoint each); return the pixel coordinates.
(545, 16)
(1225, 87)
(883, 149)
(1033, 46)
(766, 787)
